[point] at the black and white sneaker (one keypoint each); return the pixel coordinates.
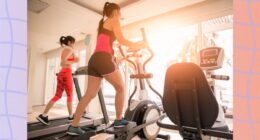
(43, 120)
(70, 119)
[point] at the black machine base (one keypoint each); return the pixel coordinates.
(128, 132)
(121, 133)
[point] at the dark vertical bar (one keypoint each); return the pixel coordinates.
(76, 83)
(103, 106)
(196, 109)
(176, 101)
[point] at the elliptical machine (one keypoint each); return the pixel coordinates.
(142, 113)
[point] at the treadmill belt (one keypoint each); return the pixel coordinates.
(38, 126)
(36, 130)
(63, 136)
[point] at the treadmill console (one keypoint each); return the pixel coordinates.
(211, 58)
(81, 71)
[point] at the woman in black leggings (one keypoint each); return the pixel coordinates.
(102, 65)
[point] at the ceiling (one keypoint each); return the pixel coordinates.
(80, 17)
(97, 6)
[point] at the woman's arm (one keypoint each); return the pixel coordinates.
(121, 39)
(76, 58)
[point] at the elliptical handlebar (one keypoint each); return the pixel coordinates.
(148, 48)
(135, 54)
(220, 77)
(126, 57)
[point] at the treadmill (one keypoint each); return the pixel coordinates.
(58, 126)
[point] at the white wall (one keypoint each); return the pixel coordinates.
(80, 45)
(36, 76)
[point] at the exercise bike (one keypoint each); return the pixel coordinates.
(189, 100)
(142, 113)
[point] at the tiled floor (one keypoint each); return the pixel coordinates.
(59, 111)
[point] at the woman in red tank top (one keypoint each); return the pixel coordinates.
(64, 78)
(102, 66)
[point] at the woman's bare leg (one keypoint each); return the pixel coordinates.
(91, 92)
(48, 107)
(69, 106)
(116, 80)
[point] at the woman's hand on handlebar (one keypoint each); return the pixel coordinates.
(138, 46)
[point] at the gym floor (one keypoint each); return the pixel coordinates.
(59, 111)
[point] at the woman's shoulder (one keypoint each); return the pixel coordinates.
(111, 21)
(67, 50)
(115, 20)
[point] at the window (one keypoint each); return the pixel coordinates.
(220, 32)
(168, 46)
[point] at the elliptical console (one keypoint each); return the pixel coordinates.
(211, 58)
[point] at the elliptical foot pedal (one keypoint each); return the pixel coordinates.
(121, 133)
(113, 130)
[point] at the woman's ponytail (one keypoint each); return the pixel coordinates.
(63, 41)
(101, 22)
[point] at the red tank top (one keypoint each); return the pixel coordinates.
(72, 58)
(105, 41)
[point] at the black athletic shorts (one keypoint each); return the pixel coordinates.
(101, 63)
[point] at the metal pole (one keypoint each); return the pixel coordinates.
(76, 83)
(103, 106)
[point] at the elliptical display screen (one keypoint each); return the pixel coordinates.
(213, 52)
(211, 58)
